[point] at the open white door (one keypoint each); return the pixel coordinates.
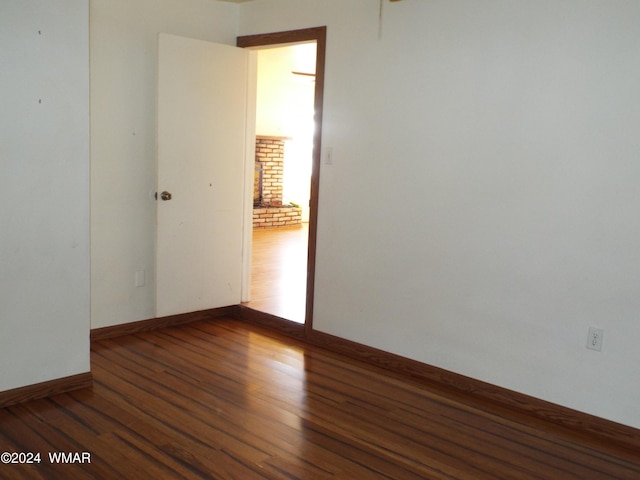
(202, 131)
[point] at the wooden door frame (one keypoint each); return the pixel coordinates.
(319, 35)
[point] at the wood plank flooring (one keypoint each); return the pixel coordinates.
(279, 272)
(222, 399)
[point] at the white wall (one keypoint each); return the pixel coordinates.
(482, 210)
(44, 191)
(123, 141)
(284, 100)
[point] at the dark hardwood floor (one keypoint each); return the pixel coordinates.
(221, 399)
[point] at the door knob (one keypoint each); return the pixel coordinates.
(165, 196)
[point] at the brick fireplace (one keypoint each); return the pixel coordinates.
(268, 210)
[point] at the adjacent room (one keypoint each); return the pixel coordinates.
(282, 183)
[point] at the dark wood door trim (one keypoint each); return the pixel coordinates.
(319, 35)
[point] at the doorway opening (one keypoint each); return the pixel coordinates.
(288, 128)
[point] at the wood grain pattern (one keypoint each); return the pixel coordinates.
(161, 322)
(598, 431)
(488, 396)
(272, 322)
(223, 399)
(45, 389)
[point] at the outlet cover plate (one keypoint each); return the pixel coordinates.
(594, 340)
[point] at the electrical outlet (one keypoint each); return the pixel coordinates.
(594, 340)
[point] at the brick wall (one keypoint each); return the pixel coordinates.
(270, 154)
(271, 213)
(277, 217)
